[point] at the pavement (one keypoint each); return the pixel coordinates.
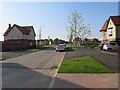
(84, 80)
(34, 70)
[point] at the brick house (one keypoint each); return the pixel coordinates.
(17, 37)
(110, 30)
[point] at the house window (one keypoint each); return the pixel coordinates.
(104, 34)
(110, 31)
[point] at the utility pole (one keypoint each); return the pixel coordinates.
(40, 34)
(49, 42)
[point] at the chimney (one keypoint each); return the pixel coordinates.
(9, 25)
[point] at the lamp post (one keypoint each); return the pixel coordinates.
(40, 34)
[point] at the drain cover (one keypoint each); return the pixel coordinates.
(53, 67)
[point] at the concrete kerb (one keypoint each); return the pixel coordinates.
(53, 77)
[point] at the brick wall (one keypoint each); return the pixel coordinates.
(17, 44)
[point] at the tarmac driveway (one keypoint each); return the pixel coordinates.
(108, 59)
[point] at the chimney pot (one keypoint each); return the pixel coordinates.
(9, 25)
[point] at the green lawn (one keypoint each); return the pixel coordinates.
(35, 49)
(84, 64)
(71, 47)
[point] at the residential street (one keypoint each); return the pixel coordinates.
(34, 70)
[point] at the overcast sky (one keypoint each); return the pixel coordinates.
(53, 16)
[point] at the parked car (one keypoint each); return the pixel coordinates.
(101, 46)
(61, 47)
(111, 46)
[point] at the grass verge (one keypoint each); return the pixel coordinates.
(84, 64)
(71, 47)
(35, 49)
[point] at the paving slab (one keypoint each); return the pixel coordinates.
(86, 80)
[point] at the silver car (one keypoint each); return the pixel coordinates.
(61, 47)
(111, 46)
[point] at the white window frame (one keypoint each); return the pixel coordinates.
(110, 31)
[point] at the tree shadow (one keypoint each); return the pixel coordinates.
(16, 76)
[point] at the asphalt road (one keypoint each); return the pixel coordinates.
(34, 70)
(11, 54)
(108, 59)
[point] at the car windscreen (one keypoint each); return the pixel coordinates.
(112, 44)
(118, 43)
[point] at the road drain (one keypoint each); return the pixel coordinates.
(54, 67)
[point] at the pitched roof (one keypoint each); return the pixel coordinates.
(24, 29)
(104, 27)
(116, 20)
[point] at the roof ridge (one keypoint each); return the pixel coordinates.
(24, 29)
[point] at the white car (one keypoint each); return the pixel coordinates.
(111, 46)
(60, 47)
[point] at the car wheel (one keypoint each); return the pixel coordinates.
(109, 50)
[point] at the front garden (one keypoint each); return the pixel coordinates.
(85, 64)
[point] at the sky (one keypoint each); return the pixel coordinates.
(52, 17)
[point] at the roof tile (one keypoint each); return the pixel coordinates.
(24, 29)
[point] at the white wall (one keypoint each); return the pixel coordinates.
(14, 34)
(31, 35)
(113, 37)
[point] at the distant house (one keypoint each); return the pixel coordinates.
(18, 37)
(19, 32)
(110, 30)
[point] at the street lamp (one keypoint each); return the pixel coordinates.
(40, 34)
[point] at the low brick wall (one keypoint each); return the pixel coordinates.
(17, 44)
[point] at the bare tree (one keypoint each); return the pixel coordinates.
(77, 28)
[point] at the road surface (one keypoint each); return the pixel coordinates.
(34, 70)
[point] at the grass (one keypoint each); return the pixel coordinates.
(35, 49)
(84, 64)
(71, 47)
(91, 46)
(97, 48)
